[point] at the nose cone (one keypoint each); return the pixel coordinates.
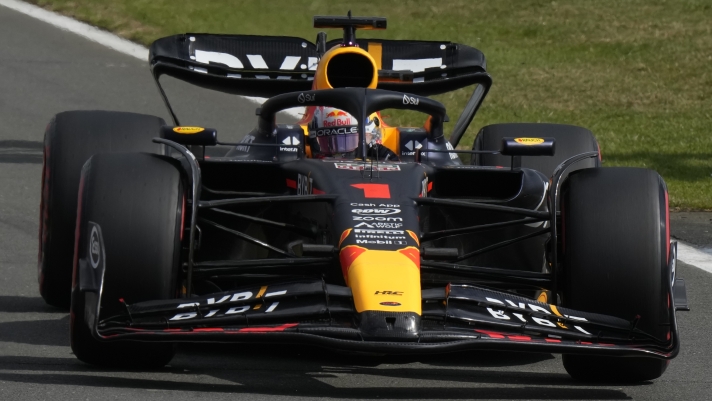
(383, 280)
(386, 290)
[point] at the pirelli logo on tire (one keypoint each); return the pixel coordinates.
(93, 259)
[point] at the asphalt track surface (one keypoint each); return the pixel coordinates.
(43, 71)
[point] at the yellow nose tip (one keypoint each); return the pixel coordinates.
(385, 280)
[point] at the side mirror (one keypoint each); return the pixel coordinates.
(190, 135)
(528, 147)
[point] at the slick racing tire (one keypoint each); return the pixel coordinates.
(130, 218)
(570, 141)
(70, 140)
(616, 249)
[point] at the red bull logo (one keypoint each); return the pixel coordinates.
(338, 122)
(337, 113)
(337, 118)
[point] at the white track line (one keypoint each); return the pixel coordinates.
(85, 30)
(686, 253)
(693, 256)
(97, 35)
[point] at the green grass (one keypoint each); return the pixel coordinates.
(638, 73)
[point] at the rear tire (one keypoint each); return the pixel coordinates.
(70, 140)
(137, 201)
(570, 141)
(616, 247)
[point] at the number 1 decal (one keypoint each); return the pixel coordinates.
(374, 190)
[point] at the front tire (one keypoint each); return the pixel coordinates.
(71, 138)
(616, 250)
(136, 201)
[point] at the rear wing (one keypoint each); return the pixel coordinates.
(266, 66)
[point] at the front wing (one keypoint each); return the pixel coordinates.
(454, 318)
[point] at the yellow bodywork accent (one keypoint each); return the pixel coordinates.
(376, 51)
(557, 313)
(261, 292)
(542, 297)
(390, 138)
(305, 128)
(375, 276)
(320, 79)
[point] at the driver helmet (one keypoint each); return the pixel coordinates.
(336, 130)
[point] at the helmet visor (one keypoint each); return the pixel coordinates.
(339, 143)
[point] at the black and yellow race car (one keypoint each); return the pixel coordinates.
(343, 231)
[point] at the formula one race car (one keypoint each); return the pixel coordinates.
(345, 232)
